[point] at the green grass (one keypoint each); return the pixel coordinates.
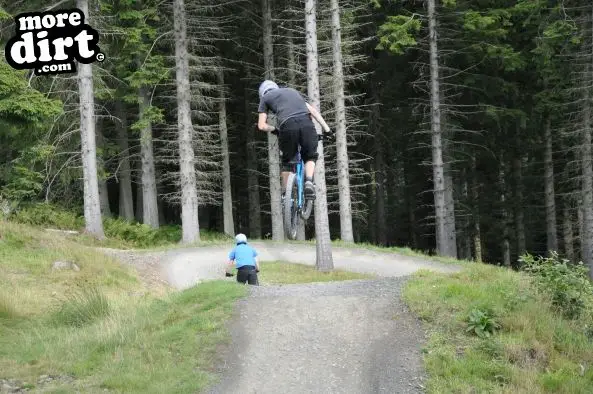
(278, 272)
(85, 324)
(534, 351)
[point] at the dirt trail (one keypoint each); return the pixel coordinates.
(183, 267)
(338, 337)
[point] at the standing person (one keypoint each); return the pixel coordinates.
(295, 127)
(244, 257)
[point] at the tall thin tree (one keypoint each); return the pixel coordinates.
(443, 244)
(126, 198)
(346, 232)
(189, 197)
(324, 260)
(227, 196)
(150, 210)
(273, 148)
(92, 207)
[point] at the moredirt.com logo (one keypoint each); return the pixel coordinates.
(48, 42)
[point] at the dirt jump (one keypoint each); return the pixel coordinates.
(335, 337)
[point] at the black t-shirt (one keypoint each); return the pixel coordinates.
(285, 103)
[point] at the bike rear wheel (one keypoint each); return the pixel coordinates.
(307, 209)
(291, 209)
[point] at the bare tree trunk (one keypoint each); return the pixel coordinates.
(150, 209)
(519, 216)
(587, 180)
(139, 203)
(411, 204)
(252, 175)
(346, 233)
(291, 67)
(442, 241)
(476, 212)
(506, 249)
(379, 184)
(227, 197)
(126, 198)
(273, 148)
(581, 223)
(324, 261)
(466, 234)
(92, 208)
(103, 191)
(450, 227)
(189, 197)
(567, 231)
(552, 238)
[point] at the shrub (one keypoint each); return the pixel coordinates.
(567, 284)
(82, 308)
(481, 323)
(48, 215)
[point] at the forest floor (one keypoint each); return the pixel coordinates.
(354, 336)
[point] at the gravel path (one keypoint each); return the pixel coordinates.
(341, 337)
(337, 337)
(184, 267)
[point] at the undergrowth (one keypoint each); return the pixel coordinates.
(491, 329)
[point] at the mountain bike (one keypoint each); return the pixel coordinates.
(296, 205)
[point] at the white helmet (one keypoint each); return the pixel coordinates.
(266, 86)
(241, 238)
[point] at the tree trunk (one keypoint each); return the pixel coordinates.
(346, 233)
(92, 208)
(450, 227)
(519, 216)
(150, 209)
(252, 173)
(324, 261)
(227, 197)
(567, 231)
(291, 60)
(273, 149)
(189, 197)
(291, 67)
(476, 212)
(587, 180)
(379, 184)
(465, 252)
(506, 249)
(442, 241)
(103, 191)
(139, 203)
(126, 198)
(552, 238)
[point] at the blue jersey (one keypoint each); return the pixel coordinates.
(243, 254)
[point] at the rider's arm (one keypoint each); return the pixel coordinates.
(318, 117)
(261, 123)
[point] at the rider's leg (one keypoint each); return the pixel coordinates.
(288, 144)
(309, 169)
(308, 139)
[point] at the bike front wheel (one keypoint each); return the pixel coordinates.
(291, 208)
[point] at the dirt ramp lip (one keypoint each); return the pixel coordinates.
(183, 268)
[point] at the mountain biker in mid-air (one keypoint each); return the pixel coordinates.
(295, 127)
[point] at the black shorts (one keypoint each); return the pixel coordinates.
(247, 273)
(294, 132)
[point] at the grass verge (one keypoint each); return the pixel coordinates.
(88, 332)
(534, 350)
(278, 272)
